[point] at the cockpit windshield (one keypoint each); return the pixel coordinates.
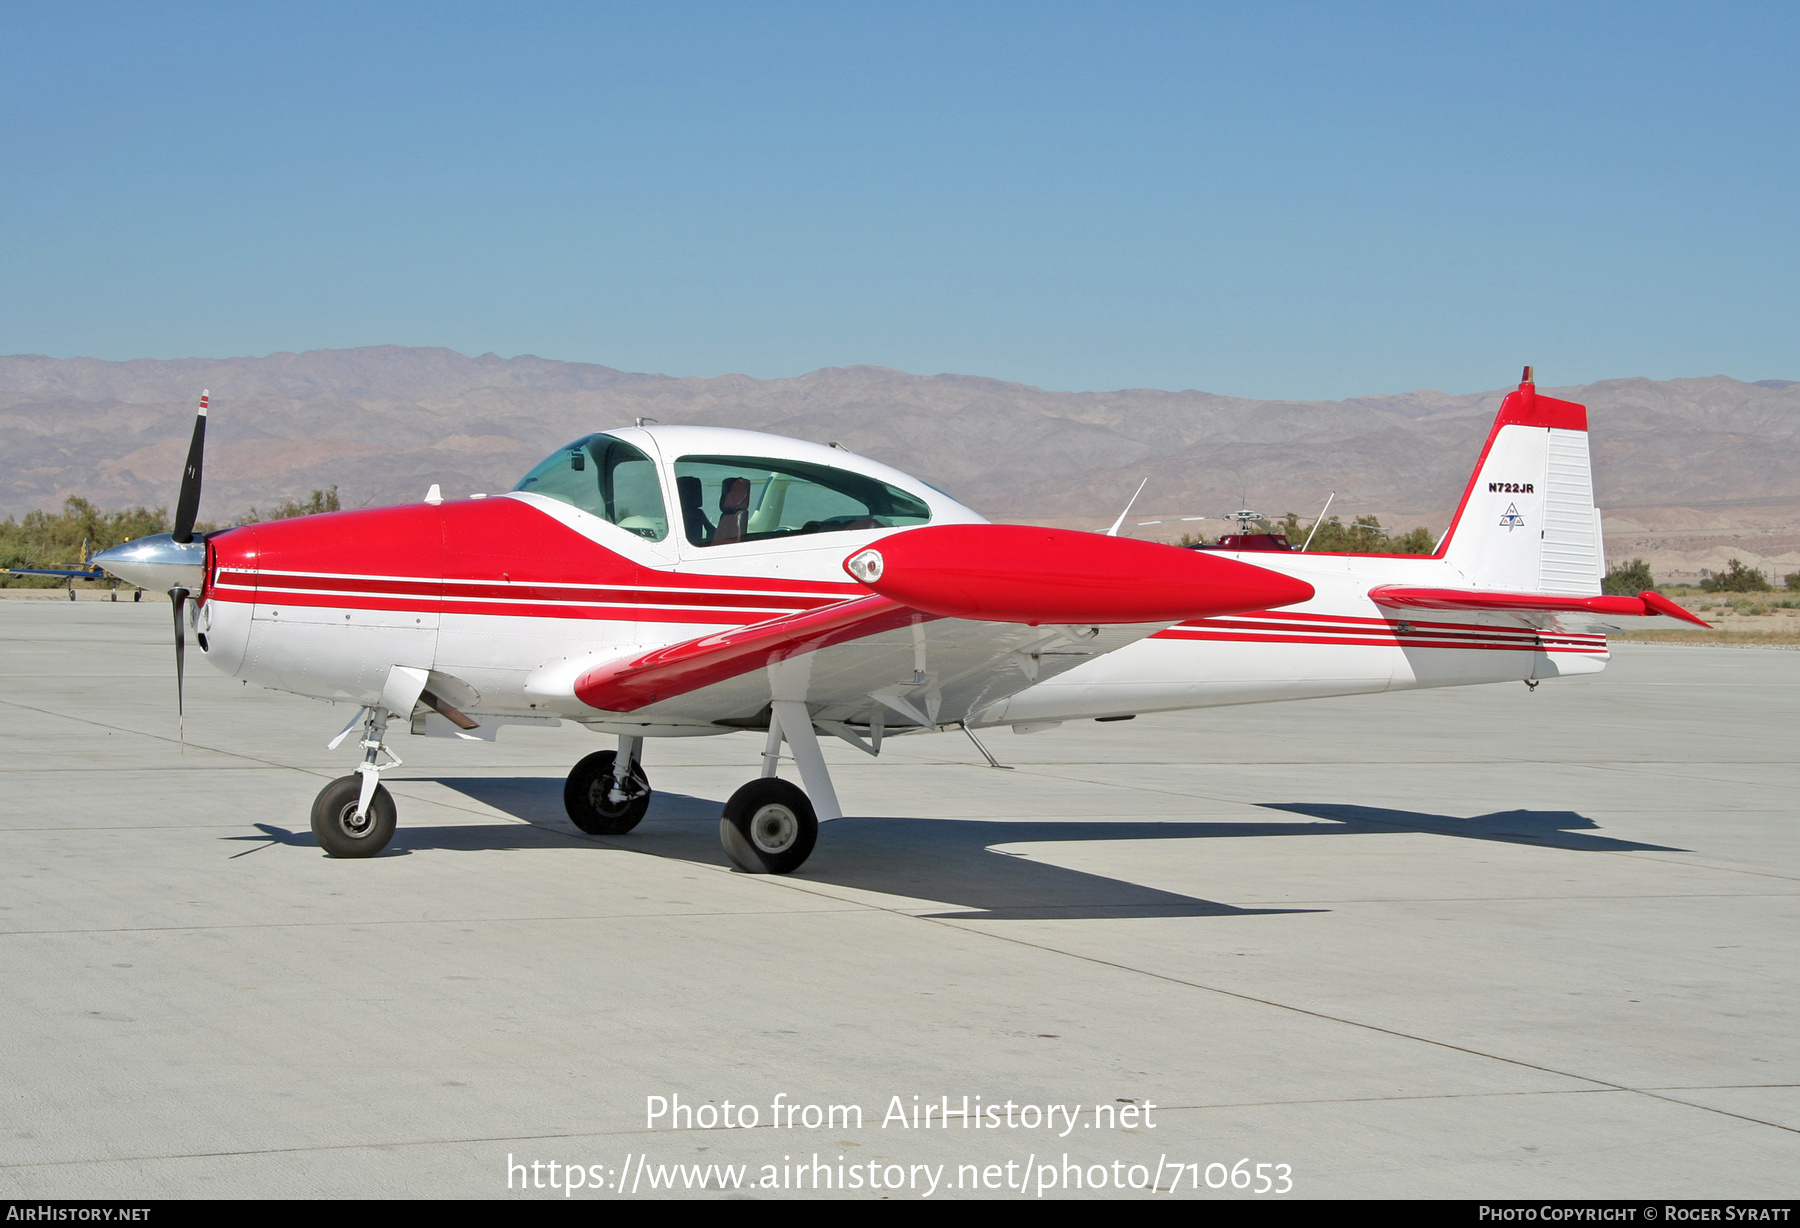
(608, 477)
(727, 499)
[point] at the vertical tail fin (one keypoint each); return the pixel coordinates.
(1527, 522)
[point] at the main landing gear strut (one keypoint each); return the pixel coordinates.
(769, 826)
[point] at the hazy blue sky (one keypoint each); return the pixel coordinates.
(1312, 200)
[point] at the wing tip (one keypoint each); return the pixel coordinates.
(1657, 603)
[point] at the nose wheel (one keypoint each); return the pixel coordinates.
(342, 828)
(354, 816)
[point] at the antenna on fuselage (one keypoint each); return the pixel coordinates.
(641, 421)
(1117, 524)
(1320, 520)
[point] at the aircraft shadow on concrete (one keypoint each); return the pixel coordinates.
(952, 859)
(932, 859)
(1559, 829)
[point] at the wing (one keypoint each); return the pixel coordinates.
(1544, 611)
(63, 572)
(867, 661)
(961, 617)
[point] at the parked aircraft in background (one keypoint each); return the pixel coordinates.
(87, 571)
(672, 581)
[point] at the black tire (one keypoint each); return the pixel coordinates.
(334, 819)
(769, 827)
(585, 796)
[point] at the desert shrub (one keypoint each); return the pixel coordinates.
(1628, 579)
(1738, 579)
(1364, 535)
(1414, 541)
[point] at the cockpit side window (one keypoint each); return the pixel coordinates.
(727, 499)
(608, 477)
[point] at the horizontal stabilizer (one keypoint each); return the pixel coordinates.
(1567, 611)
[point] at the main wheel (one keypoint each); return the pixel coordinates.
(335, 825)
(769, 827)
(587, 796)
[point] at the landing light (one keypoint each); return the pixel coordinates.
(866, 566)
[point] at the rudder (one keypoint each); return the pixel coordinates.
(1527, 522)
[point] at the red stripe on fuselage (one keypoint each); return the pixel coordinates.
(1337, 619)
(484, 557)
(504, 557)
(1288, 627)
(1417, 630)
(584, 601)
(1393, 642)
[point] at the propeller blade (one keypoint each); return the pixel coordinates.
(187, 506)
(178, 600)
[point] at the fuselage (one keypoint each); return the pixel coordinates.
(1339, 643)
(505, 600)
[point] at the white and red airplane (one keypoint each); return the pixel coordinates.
(672, 581)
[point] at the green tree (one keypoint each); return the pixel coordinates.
(1364, 535)
(1739, 579)
(1793, 581)
(1628, 579)
(45, 539)
(1415, 541)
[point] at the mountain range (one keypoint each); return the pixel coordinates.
(1685, 468)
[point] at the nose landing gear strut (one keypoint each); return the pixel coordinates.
(354, 815)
